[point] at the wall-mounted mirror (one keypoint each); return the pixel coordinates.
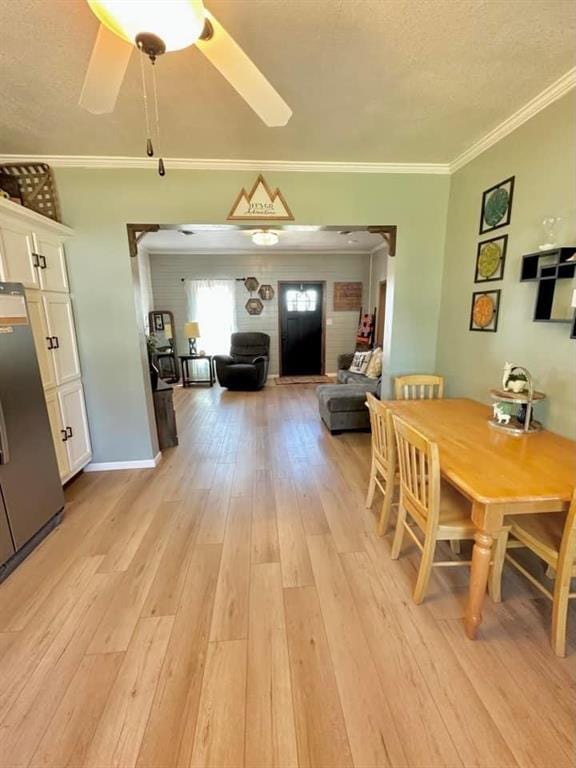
(161, 323)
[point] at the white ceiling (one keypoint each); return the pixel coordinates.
(231, 239)
(368, 80)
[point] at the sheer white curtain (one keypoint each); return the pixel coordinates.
(212, 304)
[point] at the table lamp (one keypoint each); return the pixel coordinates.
(192, 331)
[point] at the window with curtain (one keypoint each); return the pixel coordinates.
(212, 304)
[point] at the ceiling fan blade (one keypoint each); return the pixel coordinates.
(106, 70)
(230, 60)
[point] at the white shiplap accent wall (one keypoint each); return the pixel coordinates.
(168, 290)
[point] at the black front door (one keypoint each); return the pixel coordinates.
(301, 320)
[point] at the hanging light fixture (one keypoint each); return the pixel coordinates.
(176, 24)
(265, 237)
(154, 27)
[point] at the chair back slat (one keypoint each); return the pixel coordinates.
(419, 387)
(419, 465)
(383, 448)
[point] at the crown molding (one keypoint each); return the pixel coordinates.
(215, 164)
(546, 97)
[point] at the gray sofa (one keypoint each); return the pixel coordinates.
(343, 405)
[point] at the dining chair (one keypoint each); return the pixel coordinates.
(436, 507)
(419, 386)
(383, 465)
(552, 537)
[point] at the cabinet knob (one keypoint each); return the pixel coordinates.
(64, 433)
(69, 432)
(42, 260)
(35, 260)
(50, 342)
(55, 342)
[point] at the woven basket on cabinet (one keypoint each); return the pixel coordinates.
(36, 185)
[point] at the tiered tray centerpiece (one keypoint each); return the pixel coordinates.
(517, 390)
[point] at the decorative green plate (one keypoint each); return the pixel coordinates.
(489, 259)
(496, 206)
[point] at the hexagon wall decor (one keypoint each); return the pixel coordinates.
(266, 292)
(254, 307)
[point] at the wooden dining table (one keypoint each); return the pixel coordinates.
(502, 474)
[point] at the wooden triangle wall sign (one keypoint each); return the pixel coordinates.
(260, 203)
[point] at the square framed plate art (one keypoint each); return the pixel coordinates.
(491, 259)
(497, 206)
(484, 311)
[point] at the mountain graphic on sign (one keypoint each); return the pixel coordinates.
(260, 203)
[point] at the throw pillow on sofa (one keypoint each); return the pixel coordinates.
(374, 369)
(360, 362)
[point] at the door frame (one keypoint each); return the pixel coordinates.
(381, 313)
(323, 342)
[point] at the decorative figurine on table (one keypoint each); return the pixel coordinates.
(501, 414)
(514, 379)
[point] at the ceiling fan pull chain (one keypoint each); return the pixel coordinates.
(149, 145)
(161, 168)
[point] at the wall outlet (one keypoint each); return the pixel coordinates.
(328, 321)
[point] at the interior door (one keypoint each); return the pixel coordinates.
(75, 424)
(61, 328)
(42, 341)
(301, 313)
(52, 263)
(18, 256)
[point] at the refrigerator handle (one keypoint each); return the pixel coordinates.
(4, 449)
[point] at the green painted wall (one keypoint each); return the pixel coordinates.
(97, 204)
(541, 154)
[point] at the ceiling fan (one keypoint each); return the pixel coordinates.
(161, 26)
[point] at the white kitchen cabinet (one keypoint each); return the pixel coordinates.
(51, 260)
(60, 322)
(59, 434)
(17, 255)
(32, 253)
(43, 342)
(73, 412)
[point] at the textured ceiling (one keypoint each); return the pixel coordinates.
(237, 239)
(368, 80)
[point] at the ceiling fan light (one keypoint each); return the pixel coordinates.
(264, 237)
(178, 23)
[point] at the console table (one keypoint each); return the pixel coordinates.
(165, 416)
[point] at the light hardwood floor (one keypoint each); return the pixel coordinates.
(234, 607)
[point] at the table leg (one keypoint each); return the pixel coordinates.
(481, 556)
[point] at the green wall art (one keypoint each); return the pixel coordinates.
(497, 206)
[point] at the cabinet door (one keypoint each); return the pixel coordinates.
(52, 263)
(18, 256)
(73, 410)
(61, 327)
(58, 433)
(42, 342)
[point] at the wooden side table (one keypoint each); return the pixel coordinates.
(189, 379)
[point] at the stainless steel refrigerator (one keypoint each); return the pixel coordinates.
(31, 497)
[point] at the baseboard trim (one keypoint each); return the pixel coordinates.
(111, 466)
